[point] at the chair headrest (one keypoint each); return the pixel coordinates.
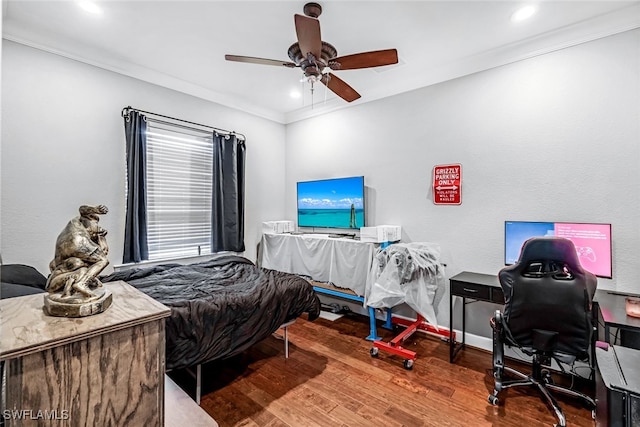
(556, 249)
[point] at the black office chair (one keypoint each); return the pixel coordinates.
(547, 315)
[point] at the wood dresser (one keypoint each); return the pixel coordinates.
(101, 370)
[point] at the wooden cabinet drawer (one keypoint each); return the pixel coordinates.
(470, 290)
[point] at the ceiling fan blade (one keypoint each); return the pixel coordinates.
(262, 61)
(340, 87)
(374, 58)
(308, 32)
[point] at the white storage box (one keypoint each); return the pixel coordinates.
(381, 233)
(277, 227)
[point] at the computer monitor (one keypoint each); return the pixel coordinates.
(592, 242)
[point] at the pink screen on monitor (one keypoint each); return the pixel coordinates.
(593, 244)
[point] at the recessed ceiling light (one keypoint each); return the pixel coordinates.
(523, 13)
(295, 94)
(90, 7)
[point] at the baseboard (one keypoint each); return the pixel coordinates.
(476, 341)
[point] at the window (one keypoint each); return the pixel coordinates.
(179, 189)
(185, 188)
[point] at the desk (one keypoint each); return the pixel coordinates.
(486, 287)
(611, 306)
(343, 262)
(476, 287)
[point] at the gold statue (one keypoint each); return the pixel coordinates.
(80, 256)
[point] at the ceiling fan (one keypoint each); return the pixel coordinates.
(318, 58)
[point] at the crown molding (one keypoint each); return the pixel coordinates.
(615, 22)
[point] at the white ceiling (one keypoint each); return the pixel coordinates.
(181, 44)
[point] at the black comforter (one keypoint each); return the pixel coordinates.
(220, 307)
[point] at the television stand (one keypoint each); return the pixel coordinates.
(342, 262)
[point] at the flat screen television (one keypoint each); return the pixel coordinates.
(332, 203)
(592, 242)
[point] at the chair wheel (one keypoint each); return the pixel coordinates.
(408, 364)
(373, 352)
(493, 400)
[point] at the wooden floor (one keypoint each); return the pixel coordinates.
(330, 379)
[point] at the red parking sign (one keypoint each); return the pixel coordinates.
(447, 184)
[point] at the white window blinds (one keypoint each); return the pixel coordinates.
(179, 188)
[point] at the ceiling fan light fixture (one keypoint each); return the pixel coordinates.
(317, 58)
(523, 13)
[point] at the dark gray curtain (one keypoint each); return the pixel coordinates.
(135, 230)
(227, 206)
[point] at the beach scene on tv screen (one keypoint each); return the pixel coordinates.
(334, 203)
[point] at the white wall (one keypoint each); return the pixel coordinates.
(63, 146)
(553, 138)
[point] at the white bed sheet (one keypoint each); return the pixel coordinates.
(346, 263)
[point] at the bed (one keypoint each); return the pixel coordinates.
(17, 280)
(222, 306)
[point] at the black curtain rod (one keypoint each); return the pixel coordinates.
(125, 111)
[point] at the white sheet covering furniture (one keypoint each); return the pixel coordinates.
(341, 261)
